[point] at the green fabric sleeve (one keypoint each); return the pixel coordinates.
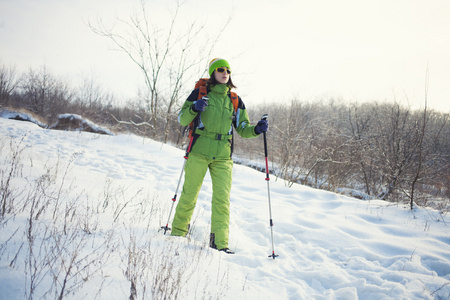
(243, 127)
(186, 114)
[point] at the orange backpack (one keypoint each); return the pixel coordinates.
(201, 85)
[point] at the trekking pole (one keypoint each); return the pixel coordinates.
(174, 199)
(186, 156)
(266, 117)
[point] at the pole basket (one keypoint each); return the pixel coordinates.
(273, 255)
(166, 228)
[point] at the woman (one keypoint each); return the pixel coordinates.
(212, 150)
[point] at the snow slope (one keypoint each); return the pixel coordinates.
(105, 198)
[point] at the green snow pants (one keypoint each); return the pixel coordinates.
(221, 176)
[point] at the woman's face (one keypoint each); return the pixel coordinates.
(222, 77)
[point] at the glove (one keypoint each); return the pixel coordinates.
(200, 104)
(261, 127)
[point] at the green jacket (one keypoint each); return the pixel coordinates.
(214, 128)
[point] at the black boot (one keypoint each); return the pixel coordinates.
(212, 244)
(227, 251)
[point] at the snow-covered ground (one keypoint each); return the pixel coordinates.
(84, 213)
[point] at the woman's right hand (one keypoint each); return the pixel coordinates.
(201, 104)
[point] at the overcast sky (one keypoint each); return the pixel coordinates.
(353, 50)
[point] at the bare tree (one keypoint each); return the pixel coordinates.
(167, 55)
(292, 135)
(421, 126)
(8, 83)
(44, 94)
(90, 100)
(360, 125)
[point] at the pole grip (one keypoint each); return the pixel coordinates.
(265, 144)
(265, 117)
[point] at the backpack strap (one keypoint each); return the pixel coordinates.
(202, 91)
(235, 100)
(201, 82)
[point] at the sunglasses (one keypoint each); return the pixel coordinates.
(221, 70)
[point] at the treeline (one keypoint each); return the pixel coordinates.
(372, 151)
(47, 95)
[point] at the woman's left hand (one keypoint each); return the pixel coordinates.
(261, 127)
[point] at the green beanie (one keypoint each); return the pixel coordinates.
(216, 63)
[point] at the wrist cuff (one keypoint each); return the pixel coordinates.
(193, 108)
